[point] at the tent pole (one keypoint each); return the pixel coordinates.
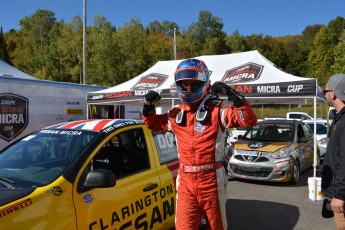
(87, 111)
(315, 152)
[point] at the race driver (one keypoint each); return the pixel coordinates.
(199, 125)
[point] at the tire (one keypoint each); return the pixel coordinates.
(295, 173)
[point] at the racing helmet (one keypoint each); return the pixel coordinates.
(196, 70)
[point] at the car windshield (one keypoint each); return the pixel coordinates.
(41, 157)
(242, 128)
(270, 132)
(321, 128)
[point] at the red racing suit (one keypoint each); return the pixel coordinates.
(201, 181)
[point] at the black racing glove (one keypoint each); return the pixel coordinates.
(150, 101)
(233, 95)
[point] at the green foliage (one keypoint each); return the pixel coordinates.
(321, 57)
(207, 29)
(53, 50)
(131, 40)
(339, 57)
(266, 111)
(102, 53)
(236, 42)
(3, 48)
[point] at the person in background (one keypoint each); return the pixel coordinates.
(333, 172)
(199, 125)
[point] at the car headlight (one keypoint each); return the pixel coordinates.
(281, 153)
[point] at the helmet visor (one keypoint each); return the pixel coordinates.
(191, 86)
(186, 74)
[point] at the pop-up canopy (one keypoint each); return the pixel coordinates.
(250, 73)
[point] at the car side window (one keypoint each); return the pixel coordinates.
(124, 154)
(307, 130)
(166, 146)
(300, 132)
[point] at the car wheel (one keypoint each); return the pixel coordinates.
(295, 173)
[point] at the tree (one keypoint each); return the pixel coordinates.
(154, 27)
(273, 49)
(298, 50)
(34, 40)
(321, 57)
(318, 58)
(169, 27)
(159, 47)
(37, 26)
(236, 42)
(339, 57)
(70, 46)
(131, 40)
(253, 42)
(207, 30)
(3, 48)
(102, 53)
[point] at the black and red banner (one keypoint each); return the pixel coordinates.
(14, 115)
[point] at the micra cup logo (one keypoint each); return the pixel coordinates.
(150, 81)
(244, 73)
(14, 115)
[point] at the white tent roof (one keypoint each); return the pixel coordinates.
(7, 70)
(249, 73)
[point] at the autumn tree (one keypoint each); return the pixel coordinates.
(34, 39)
(131, 40)
(69, 46)
(206, 37)
(339, 57)
(102, 53)
(321, 56)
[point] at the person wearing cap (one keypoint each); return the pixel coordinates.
(199, 125)
(333, 172)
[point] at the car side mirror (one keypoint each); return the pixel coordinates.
(239, 137)
(100, 178)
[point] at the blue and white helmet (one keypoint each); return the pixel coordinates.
(192, 69)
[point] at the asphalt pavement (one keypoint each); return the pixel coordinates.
(255, 205)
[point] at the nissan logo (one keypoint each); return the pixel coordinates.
(250, 158)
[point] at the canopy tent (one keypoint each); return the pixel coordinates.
(250, 73)
(7, 70)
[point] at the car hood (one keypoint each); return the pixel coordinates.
(9, 195)
(260, 145)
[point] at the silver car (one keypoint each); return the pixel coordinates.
(321, 135)
(273, 150)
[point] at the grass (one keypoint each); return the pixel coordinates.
(281, 110)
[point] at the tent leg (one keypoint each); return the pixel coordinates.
(315, 152)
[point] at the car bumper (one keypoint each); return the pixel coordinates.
(276, 170)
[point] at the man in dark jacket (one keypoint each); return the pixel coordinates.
(333, 173)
